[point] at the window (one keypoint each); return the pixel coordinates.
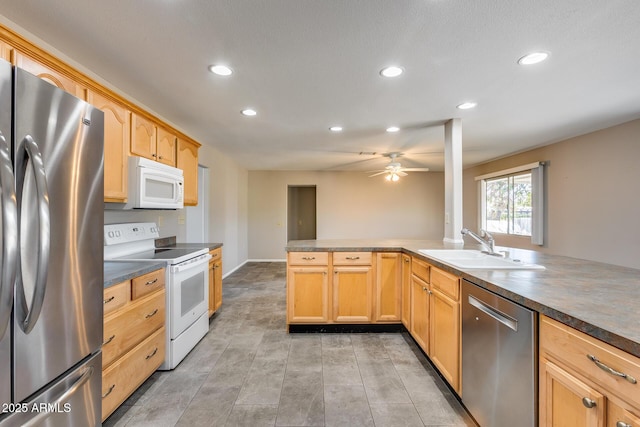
(511, 202)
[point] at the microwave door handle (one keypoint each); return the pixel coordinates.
(29, 316)
(9, 234)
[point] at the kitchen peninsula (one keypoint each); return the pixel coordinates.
(586, 322)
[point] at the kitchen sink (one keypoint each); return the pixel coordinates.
(477, 260)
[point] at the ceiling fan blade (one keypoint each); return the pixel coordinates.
(376, 174)
(415, 169)
(400, 173)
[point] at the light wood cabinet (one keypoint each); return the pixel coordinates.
(117, 130)
(134, 336)
(5, 51)
(419, 326)
(187, 160)
(352, 287)
(406, 290)
(307, 287)
(166, 147)
(215, 280)
(49, 74)
(143, 137)
(584, 381)
(388, 287)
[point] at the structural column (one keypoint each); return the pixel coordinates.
(453, 181)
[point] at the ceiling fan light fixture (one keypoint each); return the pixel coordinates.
(466, 105)
(392, 129)
(393, 177)
(220, 70)
(391, 71)
(533, 58)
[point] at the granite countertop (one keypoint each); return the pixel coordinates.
(116, 272)
(598, 299)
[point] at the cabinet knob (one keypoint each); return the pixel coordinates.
(160, 157)
(153, 155)
(588, 403)
(622, 424)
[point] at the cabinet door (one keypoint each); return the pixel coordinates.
(143, 137)
(352, 294)
(308, 294)
(406, 291)
(617, 416)
(217, 284)
(116, 145)
(212, 301)
(444, 336)
(49, 75)
(565, 401)
(419, 326)
(166, 147)
(187, 160)
(5, 51)
(388, 287)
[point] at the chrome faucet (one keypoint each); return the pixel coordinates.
(485, 239)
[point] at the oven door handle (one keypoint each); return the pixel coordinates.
(194, 263)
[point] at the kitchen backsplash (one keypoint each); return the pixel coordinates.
(171, 222)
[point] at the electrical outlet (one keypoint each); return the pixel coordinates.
(181, 219)
(446, 218)
(160, 221)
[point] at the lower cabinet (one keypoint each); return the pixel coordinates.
(134, 336)
(215, 280)
(352, 294)
(388, 287)
(419, 326)
(308, 294)
(585, 382)
(406, 290)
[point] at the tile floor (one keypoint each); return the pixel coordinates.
(248, 371)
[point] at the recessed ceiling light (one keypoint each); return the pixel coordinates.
(392, 71)
(221, 70)
(249, 112)
(533, 58)
(335, 128)
(467, 105)
(393, 129)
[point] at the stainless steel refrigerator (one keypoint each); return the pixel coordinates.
(51, 272)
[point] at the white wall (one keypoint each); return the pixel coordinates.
(349, 205)
(593, 201)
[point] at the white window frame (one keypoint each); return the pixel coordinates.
(537, 197)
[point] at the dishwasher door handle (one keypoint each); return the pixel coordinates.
(508, 321)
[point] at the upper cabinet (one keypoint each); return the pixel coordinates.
(143, 137)
(166, 147)
(5, 51)
(187, 160)
(116, 145)
(49, 75)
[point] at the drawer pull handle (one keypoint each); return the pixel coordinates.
(353, 258)
(153, 313)
(108, 300)
(149, 356)
(622, 424)
(151, 282)
(109, 340)
(109, 392)
(588, 403)
(308, 258)
(611, 371)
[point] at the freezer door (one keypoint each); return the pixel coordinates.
(72, 401)
(58, 156)
(6, 186)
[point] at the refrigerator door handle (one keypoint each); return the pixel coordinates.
(9, 234)
(29, 316)
(58, 401)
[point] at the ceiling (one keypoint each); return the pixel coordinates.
(306, 65)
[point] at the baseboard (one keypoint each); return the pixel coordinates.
(348, 328)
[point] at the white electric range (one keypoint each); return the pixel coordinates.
(187, 283)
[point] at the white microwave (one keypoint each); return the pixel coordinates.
(154, 185)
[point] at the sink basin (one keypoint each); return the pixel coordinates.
(476, 260)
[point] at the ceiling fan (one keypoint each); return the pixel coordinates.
(394, 169)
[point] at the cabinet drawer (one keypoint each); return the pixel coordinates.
(308, 258)
(446, 283)
(420, 269)
(147, 283)
(577, 350)
(352, 258)
(123, 377)
(216, 254)
(116, 296)
(126, 328)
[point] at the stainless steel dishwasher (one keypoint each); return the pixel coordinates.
(499, 362)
